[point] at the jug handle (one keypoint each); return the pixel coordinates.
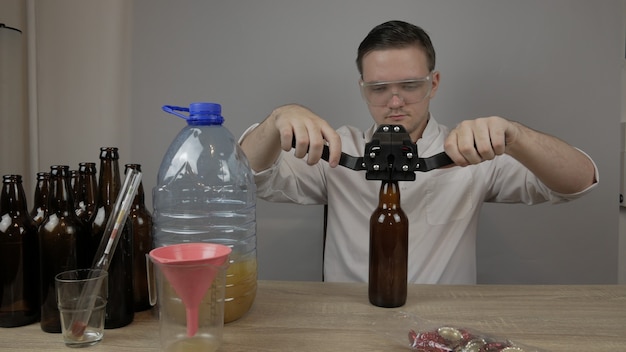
(174, 110)
(152, 292)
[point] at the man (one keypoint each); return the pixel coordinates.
(497, 160)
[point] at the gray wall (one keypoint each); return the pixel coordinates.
(552, 65)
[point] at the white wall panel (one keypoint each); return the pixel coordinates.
(551, 65)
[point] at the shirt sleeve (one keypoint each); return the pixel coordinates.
(596, 176)
(279, 183)
(510, 182)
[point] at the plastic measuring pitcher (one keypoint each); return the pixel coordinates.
(194, 274)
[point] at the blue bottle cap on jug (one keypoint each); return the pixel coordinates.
(199, 113)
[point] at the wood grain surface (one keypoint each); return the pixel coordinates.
(315, 316)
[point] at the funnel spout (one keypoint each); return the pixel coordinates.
(192, 321)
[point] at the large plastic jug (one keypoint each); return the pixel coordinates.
(205, 192)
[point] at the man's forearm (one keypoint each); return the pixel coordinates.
(262, 145)
(558, 165)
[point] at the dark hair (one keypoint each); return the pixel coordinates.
(396, 35)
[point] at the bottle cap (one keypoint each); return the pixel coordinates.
(199, 113)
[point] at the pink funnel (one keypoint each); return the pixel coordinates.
(190, 268)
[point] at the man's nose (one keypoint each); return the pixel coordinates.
(396, 100)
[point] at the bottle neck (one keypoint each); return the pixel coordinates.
(389, 196)
(139, 199)
(109, 182)
(89, 186)
(40, 199)
(60, 198)
(41, 192)
(13, 198)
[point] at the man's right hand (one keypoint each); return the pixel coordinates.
(286, 123)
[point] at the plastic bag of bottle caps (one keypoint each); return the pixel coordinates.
(428, 336)
(452, 339)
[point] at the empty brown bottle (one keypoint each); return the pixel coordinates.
(86, 190)
(58, 243)
(40, 202)
(389, 241)
(142, 243)
(120, 305)
(19, 257)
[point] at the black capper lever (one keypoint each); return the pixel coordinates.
(390, 155)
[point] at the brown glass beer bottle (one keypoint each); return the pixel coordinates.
(19, 257)
(120, 305)
(142, 243)
(85, 191)
(58, 243)
(389, 243)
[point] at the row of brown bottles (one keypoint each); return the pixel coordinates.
(61, 236)
(86, 191)
(63, 232)
(19, 257)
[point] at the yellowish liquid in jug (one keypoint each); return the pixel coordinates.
(238, 297)
(241, 285)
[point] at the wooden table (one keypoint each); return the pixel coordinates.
(315, 316)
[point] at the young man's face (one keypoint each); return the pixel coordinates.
(399, 103)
